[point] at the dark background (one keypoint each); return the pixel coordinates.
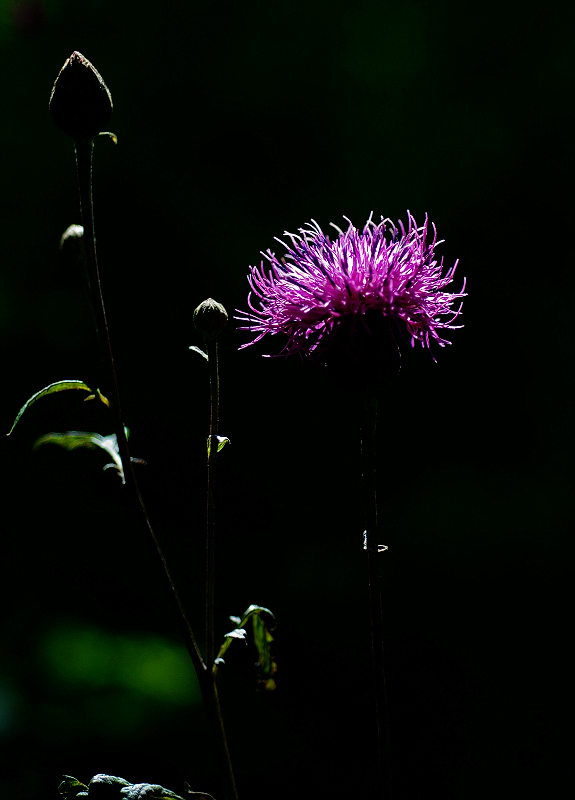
(236, 122)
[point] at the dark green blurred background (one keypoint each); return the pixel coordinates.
(235, 122)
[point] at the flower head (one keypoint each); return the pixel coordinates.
(358, 281)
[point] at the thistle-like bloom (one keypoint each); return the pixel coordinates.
(320, 286)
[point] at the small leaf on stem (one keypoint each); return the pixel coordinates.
(239, 633)
(199, 350)
(221, 440)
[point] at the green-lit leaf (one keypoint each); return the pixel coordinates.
(59, 386)
(71, 787)
(198, 350)
(262, 641)
(221, 440)
(71, 440)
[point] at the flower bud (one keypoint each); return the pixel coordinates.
(210, 319)
(80, 103)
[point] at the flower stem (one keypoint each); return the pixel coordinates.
(368, 424)
(84, 149)
(212, 352)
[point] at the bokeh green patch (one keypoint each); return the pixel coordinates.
(146, 665)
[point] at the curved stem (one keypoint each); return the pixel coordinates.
(368, 425)
(84, 166)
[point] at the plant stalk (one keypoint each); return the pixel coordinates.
(212, 352)
(84, 150)
(368, 425)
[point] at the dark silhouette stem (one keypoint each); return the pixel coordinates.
(368, 425)
(212, 351)
(84, 165)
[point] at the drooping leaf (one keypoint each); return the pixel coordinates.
(262, 638)
(256, 610)
(71, 787)
(59, 386)
(71, 440)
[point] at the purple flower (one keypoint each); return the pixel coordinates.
(321, 286)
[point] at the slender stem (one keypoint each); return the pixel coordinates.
(84, 165)
(368, 424)
(212, 351)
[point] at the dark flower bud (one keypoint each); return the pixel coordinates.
(80, 103)
(210, 319)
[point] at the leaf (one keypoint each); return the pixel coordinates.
(71, 787)
(263, 640)
(221, 440)
(148, 791)
(71, 440)
(239, 633)
(106, 780)
(59, 386)
(257, 610)
(198, 350)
